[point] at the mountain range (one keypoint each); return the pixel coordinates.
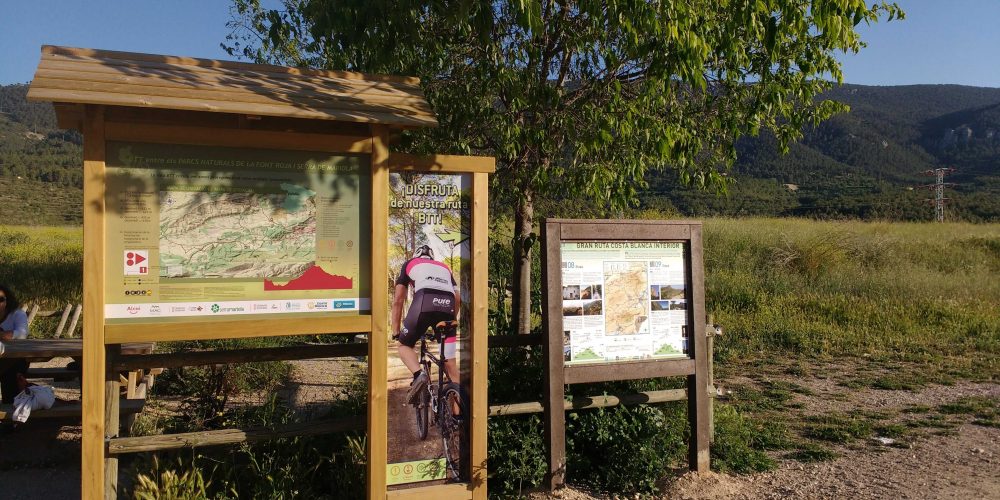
(868, 163)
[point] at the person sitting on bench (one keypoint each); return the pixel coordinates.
(13, 325)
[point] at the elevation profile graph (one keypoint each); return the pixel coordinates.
(315, 278)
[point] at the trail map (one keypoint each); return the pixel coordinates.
(202, 232)
(237, 235)
(626, 297)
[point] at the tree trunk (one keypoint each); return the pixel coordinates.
(523, 241)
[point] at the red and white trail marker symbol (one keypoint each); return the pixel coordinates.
(136, 262)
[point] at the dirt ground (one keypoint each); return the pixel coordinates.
(963, 463)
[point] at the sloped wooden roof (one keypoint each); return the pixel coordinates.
(88, 76)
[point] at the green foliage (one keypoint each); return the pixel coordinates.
(323, 466)
(207, 390)
(734, 448)
(168, 484)
(624, 449)
(581, 99)
(517, 455)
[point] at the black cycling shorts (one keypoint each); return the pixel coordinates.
(429, 307)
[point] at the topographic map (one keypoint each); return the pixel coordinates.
(626, 298)
(237, 235)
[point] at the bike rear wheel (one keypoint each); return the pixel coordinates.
(453, 408)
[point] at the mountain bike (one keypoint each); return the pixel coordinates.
(448, 400)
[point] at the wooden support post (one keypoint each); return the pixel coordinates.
(479, 351)
(710, 351)
(112, 388)
(698, 400)
(92, 386)
(378, 348)
(552, 349)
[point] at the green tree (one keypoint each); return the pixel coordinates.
(581, 98)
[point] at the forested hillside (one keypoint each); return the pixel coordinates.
(862, 164)
(868, 163)
(40, 165)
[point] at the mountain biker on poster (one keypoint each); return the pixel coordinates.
(436, 298)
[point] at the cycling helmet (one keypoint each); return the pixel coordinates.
(423, 251)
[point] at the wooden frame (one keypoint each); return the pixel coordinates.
(124, 97)
(557, 375)
(480, 168)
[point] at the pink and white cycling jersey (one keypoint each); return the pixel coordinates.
(426, 274)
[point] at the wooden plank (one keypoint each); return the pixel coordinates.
(378, 353)
(213, 92)
(479, 351)
(501, 341)
(76, 317)
(131, 383)
(62, 320)
(201, 358)
(625, 222)
(56, 374)
(236, 138)
(647, 397)
(152, 101)
(127, 72)
(69, 115)
(92, 446)
(457, 491)
(111, 423)
(442, 163)
(235, 329)
(72, 410)
(32, 313)
(103, 56)
(628, 370)
(589, 231)
(698, 400)
(552, 348)
(231, 436)
(67, 76)
(69, 348)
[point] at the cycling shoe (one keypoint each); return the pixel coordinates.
(419, 384)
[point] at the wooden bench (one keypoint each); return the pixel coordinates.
(72, 410)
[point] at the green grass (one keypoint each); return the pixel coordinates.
(810, 452)
(42, 264)
(919, 292)
(841, 429)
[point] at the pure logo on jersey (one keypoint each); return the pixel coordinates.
(441, 302)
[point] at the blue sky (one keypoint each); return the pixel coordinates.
(941, 41)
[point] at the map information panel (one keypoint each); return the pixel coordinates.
(623, 301)
(202, 232)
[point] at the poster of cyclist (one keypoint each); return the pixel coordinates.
(429, 290)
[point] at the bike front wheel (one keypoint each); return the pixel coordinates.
(454, 420)
(422, 408)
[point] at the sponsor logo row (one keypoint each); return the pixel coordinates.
(226, 308)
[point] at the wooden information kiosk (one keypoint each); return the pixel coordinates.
(172, 144)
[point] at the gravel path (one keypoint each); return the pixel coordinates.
(962, 466)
